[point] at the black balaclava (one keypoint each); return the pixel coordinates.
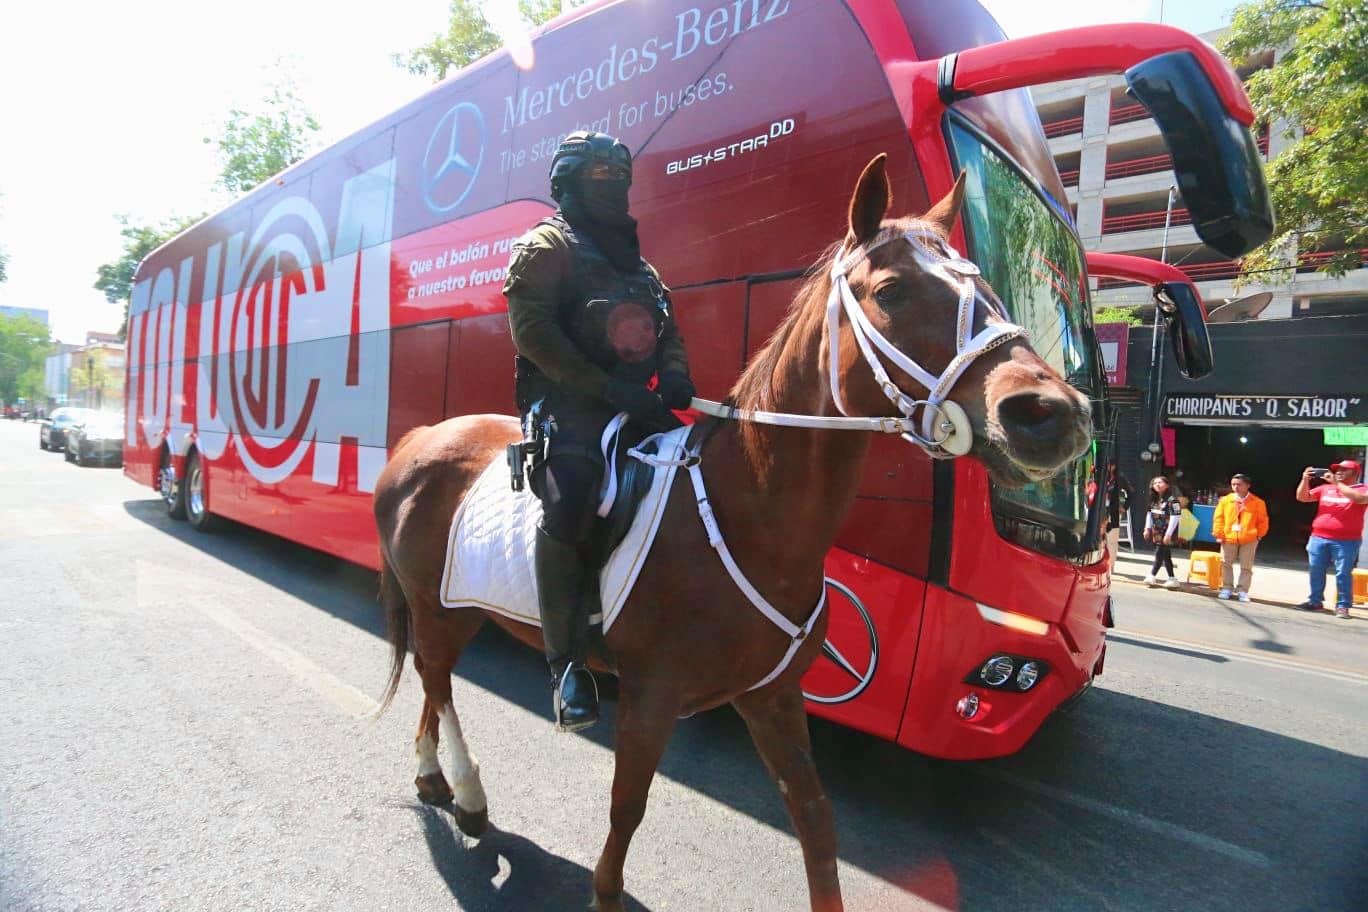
(599, 209)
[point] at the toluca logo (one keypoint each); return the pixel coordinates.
(857, 658)
(285, 263)
(292, 355)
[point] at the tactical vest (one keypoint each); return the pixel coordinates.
(614, 318)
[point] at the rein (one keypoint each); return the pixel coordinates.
(943, 430)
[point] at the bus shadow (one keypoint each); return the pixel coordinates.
(1121, 803)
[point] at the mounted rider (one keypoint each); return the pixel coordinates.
(592, 324)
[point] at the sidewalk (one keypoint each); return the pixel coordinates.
(1280, 584)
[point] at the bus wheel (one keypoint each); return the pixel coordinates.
(172, 491)
(196, 495)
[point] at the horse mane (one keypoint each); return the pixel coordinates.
(761, 384)
(755, 389)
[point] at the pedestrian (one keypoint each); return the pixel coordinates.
(1336, 532)
(1239, 524)
(1161, 529)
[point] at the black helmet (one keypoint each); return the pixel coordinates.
(585, 147)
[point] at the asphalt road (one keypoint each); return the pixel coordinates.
(185, 726)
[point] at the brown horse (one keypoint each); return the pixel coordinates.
(687, 639)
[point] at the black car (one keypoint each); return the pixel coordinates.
(52, 433)
(97, 439)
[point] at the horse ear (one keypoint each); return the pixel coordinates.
(872, 198)
(944, 214)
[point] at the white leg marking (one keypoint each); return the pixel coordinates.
(465, 770)
(426, 749)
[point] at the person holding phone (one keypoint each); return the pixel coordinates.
(1336, 532)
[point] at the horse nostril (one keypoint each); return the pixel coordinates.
(1033, 413)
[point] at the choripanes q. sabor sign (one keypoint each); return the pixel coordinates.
(1326, 409)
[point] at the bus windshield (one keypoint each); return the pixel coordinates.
(1033, 260)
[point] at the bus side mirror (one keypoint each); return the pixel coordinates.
(1215, 159)
(1181, 310)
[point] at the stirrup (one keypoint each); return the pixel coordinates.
(557, 704)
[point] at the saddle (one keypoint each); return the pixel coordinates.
(491, 542)
(625, 479)
(625, 483)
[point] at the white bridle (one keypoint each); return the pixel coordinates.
(952, 434)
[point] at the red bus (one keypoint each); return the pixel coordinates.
(278, 348)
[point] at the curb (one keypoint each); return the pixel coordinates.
(1192, 589)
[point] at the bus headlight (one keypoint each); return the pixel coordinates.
(997, 670)
(1004, 671)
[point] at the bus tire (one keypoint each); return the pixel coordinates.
(172, 492)
(195, 492)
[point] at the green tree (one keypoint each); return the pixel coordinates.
(116, 279)
(96, 378)
(257, 145)
(24, 344)
(1319, 184)
(1118, 315)
(468, 37)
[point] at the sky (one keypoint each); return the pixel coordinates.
(106, 106)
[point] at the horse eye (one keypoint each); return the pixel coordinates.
(888, 294)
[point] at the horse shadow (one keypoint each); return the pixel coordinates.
(502, 870)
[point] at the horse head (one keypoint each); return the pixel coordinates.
(922, 336)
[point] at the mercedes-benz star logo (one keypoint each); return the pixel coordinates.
(455, 152)
(833, 653)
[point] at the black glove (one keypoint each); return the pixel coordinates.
(637, 401)
(676, 390)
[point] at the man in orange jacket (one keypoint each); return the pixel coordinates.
(1240, 523)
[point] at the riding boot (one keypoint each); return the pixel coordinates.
(560, 583)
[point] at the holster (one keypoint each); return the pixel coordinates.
(525, 456)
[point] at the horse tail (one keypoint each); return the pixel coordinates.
(397, 623)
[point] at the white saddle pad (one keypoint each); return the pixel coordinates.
(493, 534)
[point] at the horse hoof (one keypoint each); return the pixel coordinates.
(607, 904)
(433, 789)
(472, 823)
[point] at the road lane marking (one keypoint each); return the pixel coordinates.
(1333, 672)
(1045, 867)
(332, 688)
(1134, 818)
(41, 522)
(157, 582)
